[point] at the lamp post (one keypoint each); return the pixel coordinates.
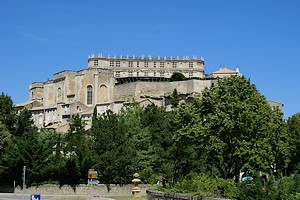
(23, 192)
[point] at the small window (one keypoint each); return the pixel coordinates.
(162, 64)
(111, 63)
(130, 64)
(174, 64)
(190, 64)
(117, 63)
(59, 92)
(89, 100)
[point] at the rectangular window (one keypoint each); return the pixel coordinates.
(190, 74)
(137, 64)
(146, 74)
(137, 74)
(162, 74)
(154, 73)
(130, 64)
(154, 64)
(95, 62)
(118, 74)
(146, 64)
(117, 63)
(190, 64)
(130, 74)
(174, 64)
(162, 64)
(111, 63)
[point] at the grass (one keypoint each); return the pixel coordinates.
(111, 197)
(127, 198)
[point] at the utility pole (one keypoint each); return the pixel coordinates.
(23, 192)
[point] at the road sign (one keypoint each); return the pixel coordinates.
(92, 177)
(35, 197)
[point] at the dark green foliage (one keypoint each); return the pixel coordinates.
(7, 112)
(177, 77)
(77, 153)
(293, 131)
(175, 98)
(113, 152)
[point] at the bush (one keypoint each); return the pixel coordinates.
(206, 186)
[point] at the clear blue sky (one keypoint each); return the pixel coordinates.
(261, 37)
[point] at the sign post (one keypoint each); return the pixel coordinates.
(92, 179)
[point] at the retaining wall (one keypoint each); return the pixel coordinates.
(100, 189)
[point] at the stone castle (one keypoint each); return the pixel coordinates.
(111, 83)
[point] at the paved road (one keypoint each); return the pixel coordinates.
(11, 196)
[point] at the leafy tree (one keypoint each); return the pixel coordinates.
(293, 131)
(113, 151)
(77, 153)
(175, 98)
(7, 112)
(177, 76)
(53, 161)
(156, 121)
(236, 132)
(5, 139)
(24, 150)
(187, 153)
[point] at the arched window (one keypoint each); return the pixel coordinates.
(89, 95)
(59, 92)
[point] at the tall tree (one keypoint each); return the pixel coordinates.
(77, 152)
(7, 112)
(112, 150)
(293, 131)
(188, 154)
(237, 131)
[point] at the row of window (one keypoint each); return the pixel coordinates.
(161, 74)
(146, 64)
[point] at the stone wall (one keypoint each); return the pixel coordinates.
(100, 189)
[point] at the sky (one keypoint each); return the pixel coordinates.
(261, 37)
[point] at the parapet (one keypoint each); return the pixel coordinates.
(36, 85)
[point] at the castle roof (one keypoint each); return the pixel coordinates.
(225, 71)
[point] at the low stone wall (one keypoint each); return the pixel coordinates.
(156, 195)
(100, 190)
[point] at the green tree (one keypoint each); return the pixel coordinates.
(7, 112)
(77, 153)
(237, 132)
(293, 131)
(156, 121)
(113, 152)
(175, 98)
(177, 76)
(24, 150)
(188, 154)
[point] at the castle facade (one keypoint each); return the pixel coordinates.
(111, 83)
